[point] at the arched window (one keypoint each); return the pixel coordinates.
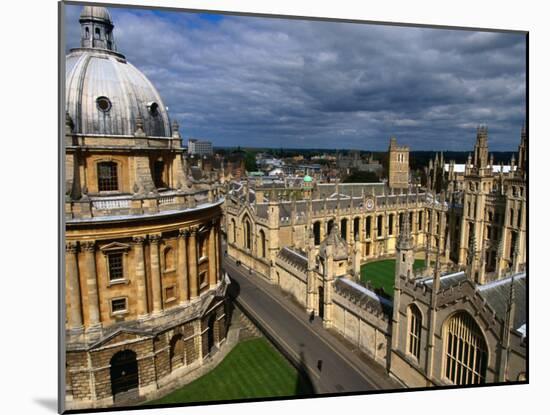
(344, 229)
(262, 243)
(379, 225)
(247, 234)
(169, 261)
(86, 33)
(330, 224)
(356, 228)
(233, 225)
(97, 33)
(390, 224)
(415, 327)
(317, 233)
(107, 176)
(466, 351)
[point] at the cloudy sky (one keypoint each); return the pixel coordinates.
(264, 82)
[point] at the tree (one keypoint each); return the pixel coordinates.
(361, 177)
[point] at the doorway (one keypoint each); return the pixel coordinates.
(124, 372)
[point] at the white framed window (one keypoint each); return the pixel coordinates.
(415, 330)
(119, 305)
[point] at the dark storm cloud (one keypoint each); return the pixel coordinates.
(288, 83)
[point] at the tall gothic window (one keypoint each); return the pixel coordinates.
(420, 220)
(234, 226)
(262, 243)
(415, 327)
(379, 226)
(390, 224)
(247, 234)
(107, 176)
(466, 351)
(330, 224)
(344, 229)
(317, 233)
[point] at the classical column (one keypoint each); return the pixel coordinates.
(193, 277)
(183, 282)
(141, 286)
(155, 273)
(212, 274)
(73, 286)
(91, 284)
(219, 249)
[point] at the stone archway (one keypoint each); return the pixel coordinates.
(124, 372)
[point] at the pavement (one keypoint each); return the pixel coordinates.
(331, 363)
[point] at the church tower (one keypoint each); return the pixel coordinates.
(398, 165)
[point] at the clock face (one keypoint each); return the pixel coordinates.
(370, 204)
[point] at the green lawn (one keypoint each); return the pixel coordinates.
(382, 273)
(253, 369)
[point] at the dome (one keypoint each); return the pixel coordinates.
(95, 13)
(105, 94)
(308, 178)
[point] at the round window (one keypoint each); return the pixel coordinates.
(103, 103)
(154, 109)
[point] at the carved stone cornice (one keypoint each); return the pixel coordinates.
(71, 247)
(183, 233)
(138, 240)
(193, 231)
(155, 238)
(88, 246)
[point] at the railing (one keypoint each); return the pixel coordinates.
(111, 204)
(166, 200)
(89, 207)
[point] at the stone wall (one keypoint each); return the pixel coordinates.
(362, 321)
(88, 371)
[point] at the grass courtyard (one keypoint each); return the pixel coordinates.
(253, 369)
(382, 273)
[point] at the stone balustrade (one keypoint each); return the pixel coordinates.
(123, 205)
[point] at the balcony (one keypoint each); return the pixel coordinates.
(126, 205)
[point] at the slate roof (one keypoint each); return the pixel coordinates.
(294, 256)
(445, 280)
(497, 294)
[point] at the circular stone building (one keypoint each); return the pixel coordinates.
(145, 298)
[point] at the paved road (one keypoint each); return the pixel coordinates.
(308, 343)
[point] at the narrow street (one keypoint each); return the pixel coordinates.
(331, 366)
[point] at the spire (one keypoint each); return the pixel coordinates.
(405, 240)
(96, 28)
(175, 129)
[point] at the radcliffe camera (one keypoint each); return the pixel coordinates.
(259, 207)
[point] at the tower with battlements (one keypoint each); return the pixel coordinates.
(398, 165)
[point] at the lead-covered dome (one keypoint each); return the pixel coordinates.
(95, 13)
(105, 94)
